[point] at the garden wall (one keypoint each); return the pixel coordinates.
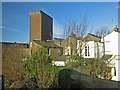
(69, 78)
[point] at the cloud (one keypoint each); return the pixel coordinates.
(57, 29)
(10, 29)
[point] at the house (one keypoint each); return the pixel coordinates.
(107, 48)
(61, 60)
(91, 46)
(53, 50)
(112, 47)
(58, 41)
(69, 45)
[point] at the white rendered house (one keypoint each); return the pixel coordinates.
(91, 46)
(112, 47)
(96, 47)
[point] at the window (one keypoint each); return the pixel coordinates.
(85, 50)
(48, 51)
(67, 50)
(87, 53)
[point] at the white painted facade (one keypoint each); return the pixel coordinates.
(90, 49)
(111, 45)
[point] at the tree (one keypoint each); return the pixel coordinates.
(78, 27)
(38, 70)
(102, 32)
(75, 30)
(97, 67)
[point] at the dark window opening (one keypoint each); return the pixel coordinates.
(48, 51)
(87, 53)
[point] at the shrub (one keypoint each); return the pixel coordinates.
(38, 71)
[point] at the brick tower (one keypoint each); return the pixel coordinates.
(41, 26)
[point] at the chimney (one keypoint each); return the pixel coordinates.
(72, 34)
(115, 28)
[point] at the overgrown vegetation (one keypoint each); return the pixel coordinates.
(35, 72)
(38, 70)
(96, 67)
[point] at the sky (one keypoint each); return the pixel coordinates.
(15, 17)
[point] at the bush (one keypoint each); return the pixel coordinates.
(38, 71)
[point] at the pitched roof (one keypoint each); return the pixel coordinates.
(79, 38)
(47, 44)
(62, 58)
(59, 39)
(91, 37)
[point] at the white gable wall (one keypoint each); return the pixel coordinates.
(112, 47)
(98, 49)
(91, 49)
(118, 61)
(95, 49)
(111, 43)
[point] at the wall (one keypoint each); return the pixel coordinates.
(35, 26)
(91, 49)
(55, 52)
(98, 49)
(47, 27)
(112, 46)
(78, 79)
(71, 44)
(118, 56)
(41, 26)
(12, 57)
(111, 43)
(95, 49)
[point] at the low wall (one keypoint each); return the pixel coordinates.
(73, 78)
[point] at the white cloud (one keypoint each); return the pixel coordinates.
(57, 29)
(10, 29)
